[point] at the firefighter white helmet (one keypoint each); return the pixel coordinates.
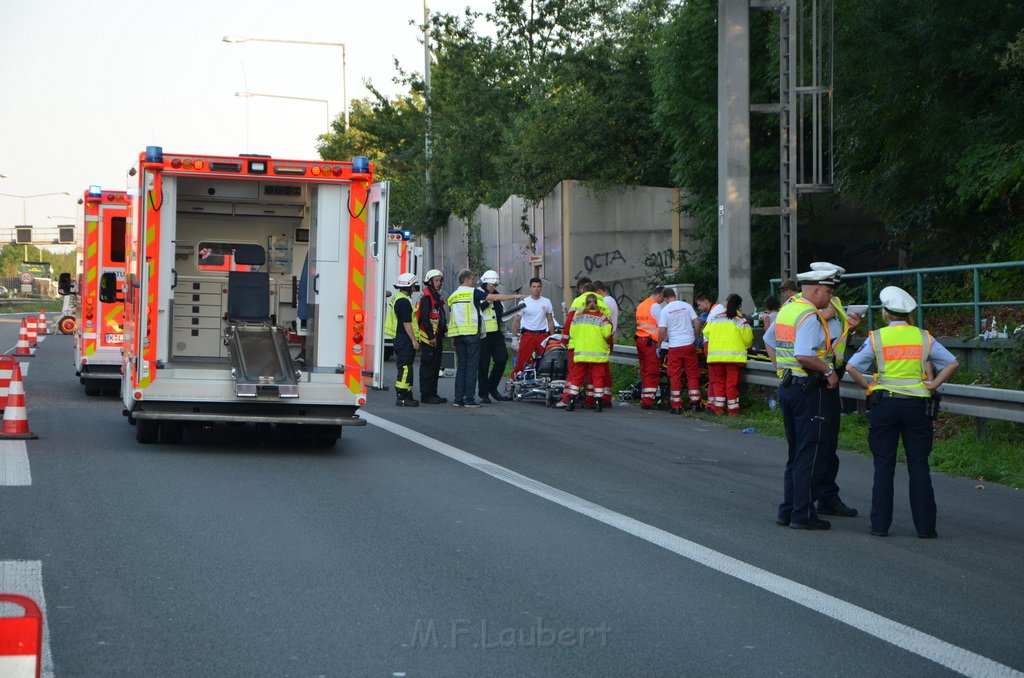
(490, 277)
(431, 274)
(406, 280)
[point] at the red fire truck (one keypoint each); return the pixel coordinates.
(216, 249)
(98, 325)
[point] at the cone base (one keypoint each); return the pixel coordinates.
(18, 436)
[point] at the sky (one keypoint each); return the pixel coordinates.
(86, 86)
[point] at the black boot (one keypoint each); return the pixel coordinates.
(405, 399)
(597, 404)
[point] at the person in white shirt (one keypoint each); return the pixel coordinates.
(678, 327)
(532, 325)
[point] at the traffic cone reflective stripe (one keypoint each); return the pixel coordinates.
(33, 330)
(42, 322)
(16, 414)
(23, 348)
(6, 370)
(21, 652)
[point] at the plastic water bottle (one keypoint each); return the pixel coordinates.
(749, 430)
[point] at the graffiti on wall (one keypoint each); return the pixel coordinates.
(665, 259)
(593, 263)
(617, 290)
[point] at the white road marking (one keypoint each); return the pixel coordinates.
(25, 577)
(902, 636)
(14, 468)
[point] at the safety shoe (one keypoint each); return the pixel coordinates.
(407, 402)
(571, 406)
(485, 400)
(497, 396)
(433, 400)
(598, 406)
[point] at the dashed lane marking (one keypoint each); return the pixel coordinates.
(14, 468)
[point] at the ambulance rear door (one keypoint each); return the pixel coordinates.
(377, 284)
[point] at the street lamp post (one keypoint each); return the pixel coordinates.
(284, 96)
(25, 198)
(344, 61)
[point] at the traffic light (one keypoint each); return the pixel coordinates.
(65, 234)
(23, 235)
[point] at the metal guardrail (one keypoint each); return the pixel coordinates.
(918, 274)
(982, 402)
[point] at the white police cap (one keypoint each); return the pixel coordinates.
(896, 300)
(820, 277)
(825, 266)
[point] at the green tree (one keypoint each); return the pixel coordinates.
(928, 123)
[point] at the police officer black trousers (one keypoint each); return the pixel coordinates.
(808, 429)
(893, 417)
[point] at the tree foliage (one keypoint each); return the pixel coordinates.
(556, 89)
(929, 138)
(929, 126)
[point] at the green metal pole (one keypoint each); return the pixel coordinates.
(977, 302)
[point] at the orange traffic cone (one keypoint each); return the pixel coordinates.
(42, 322)
(23, 348)
(16, 414)
(33, 330)
(7, 363)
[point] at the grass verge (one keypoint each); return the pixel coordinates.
(998, 457)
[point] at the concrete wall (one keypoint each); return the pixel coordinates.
(610, 235)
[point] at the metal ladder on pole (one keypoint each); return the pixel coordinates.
(806, 162)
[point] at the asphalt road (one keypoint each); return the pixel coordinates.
(512, 540)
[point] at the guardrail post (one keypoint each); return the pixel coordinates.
(977, 301)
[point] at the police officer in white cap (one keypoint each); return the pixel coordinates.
(840, 325)
(800, 340)
(903, 405)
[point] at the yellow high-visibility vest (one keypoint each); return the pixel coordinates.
(790, 317)
(590, 333)
(465, 319)
(901, 354)
(728, 339)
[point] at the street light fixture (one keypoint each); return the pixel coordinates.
(284, 96)
(25, 198)
(344, 60)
